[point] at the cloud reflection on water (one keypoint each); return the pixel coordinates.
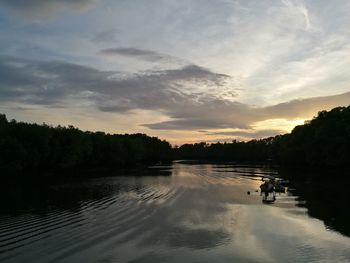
(201, 213)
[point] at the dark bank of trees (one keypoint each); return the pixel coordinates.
(255, 150)
(32, 147)
(322, 142)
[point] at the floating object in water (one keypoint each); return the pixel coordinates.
(274, 185)
(279, 188)
(284, 182)
(248, 192)
(268, 198)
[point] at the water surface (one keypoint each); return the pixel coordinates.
(192, 213)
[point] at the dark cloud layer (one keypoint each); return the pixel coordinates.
(106, 36)
(53, 82)
(38, 9)
(143, 54)
(300, 108)
(249, 133)
(169, 92)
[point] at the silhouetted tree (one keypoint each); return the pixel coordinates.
(32, 147)
(323, 141)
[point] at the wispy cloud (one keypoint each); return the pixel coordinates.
(40, 9)
(52, 82)
(299, 9)
(235, 115)
(166, 91)
(145, 55)
(106, 36)
(215, 65)
(136, 53)
(248, 133)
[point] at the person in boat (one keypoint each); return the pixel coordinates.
(266, 188)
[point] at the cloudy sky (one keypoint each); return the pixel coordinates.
(184, 70)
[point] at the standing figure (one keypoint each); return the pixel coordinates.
(266, 188)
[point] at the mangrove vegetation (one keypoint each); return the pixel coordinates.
(33, 147)
(323, 141)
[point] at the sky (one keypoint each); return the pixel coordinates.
(185, 70)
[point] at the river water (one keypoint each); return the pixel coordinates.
(185, 213)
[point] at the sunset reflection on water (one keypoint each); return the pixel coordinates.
(196, 213)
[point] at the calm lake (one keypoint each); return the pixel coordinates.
(188, 213)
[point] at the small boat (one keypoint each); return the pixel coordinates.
(268, 201)
(278, 187)
(267, 188)
(274, 185)
(283, 182)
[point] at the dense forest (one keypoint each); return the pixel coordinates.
(322, 142)
(33, 147)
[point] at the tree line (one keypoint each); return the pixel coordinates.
(32, 147)
(323, 141)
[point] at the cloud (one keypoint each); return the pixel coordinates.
(41, 9)
(209, 113)
(41, 82)
(53, 82)
(298, 9)
(192, 97)
(223, 114)
(135, 53)
(248, 133)
(143, 54)
(189, 124)
(306, 107)
(107, 36)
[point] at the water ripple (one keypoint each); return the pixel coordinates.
(198, 208)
